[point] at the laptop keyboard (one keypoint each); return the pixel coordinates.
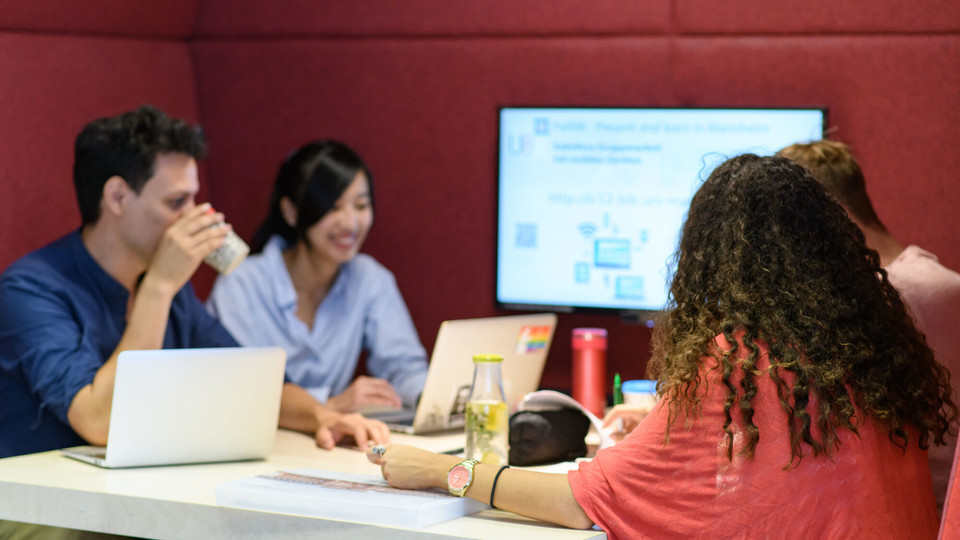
(399, 416)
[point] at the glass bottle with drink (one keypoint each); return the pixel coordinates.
(488, 419)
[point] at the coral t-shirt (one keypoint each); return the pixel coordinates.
(950, 525)
(687, 488)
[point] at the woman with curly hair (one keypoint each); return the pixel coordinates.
(797, 397)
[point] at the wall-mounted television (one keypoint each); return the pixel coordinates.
(591, 200)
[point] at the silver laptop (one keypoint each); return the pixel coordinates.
(180, 406)
(522, 340)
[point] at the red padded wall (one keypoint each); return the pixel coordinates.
(414, 86)
(423, 114)
(139, 18)
(384, 18)
(817, 16)
(50, 87)
(895, 99)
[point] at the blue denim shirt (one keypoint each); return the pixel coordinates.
(61, 317)
(362, 312)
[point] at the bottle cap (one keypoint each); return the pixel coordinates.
(487, 358)
(589, 338)
(639, 386)
(589, 333)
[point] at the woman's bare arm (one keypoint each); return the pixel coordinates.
(543, 496)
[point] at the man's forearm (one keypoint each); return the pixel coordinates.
(89, 413)
(299, 410)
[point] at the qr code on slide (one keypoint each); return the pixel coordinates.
(526, 235)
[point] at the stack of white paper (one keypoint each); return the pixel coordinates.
(343, 496)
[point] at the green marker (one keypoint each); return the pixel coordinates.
(617, 393)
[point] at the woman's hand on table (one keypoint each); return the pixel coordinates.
(407, 467)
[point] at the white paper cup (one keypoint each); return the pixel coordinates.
(639, 392)
(228, 256)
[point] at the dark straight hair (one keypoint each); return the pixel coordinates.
(313, 177)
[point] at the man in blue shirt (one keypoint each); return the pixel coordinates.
(120, 282)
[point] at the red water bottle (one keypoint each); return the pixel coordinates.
(590, 368)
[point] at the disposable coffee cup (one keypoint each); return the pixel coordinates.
(228, 256)
(639, 392)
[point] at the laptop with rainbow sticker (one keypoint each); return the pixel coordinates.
(522, 340)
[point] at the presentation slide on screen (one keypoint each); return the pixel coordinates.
(591, 201)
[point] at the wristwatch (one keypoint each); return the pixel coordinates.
(460, 477)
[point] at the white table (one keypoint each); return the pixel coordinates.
(179, 502)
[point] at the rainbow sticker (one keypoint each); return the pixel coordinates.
(533, 339)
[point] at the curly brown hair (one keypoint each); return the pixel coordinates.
(768, 256)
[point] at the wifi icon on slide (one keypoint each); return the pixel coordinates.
(587, 229)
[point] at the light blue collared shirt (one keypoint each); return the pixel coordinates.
(363, 311)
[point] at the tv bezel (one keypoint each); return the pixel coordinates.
(633, 316)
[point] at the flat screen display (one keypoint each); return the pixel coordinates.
(591, 200)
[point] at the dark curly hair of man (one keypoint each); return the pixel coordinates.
(767, 256)
(127, 146)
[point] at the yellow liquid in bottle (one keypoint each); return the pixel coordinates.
(487, 428)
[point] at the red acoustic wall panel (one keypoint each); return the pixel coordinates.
(816, 16)
(415, 85)
(384, 18)
(140, 18)
(895, 99)
(50, 87)
(423, 113)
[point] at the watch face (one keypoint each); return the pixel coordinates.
(458, 477)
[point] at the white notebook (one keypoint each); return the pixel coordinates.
(349, 497)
